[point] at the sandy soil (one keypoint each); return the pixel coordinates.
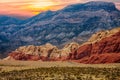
(20, 65)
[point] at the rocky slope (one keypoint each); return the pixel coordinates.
(105, 50)
(74, 23)
(102, 47)
(102, 34)
(45, 52)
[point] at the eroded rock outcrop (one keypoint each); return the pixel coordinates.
(45, 52)
(101, 58)
(102, 34)
(100, 51)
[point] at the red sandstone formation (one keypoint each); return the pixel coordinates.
(46, 52)
(21, 56)
(101, 58)
(107, 50)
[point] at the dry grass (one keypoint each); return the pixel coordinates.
(20, 65)
(58, 70)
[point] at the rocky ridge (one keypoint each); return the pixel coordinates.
(45, 52)
(102, 47)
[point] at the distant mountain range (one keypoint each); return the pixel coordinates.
(6, 20)
(75, 22)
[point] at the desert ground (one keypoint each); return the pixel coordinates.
(58, 70)
(9, 65)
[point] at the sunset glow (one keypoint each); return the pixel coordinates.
(28, 8)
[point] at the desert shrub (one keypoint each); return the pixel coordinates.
(63, 73)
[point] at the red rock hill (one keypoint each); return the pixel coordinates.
(105, 50)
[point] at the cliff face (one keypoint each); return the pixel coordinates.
(101, 58)
(105, 50)
(102, 47)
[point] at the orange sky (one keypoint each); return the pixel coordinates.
(28, 8)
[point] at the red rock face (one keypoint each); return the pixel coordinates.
(22, 56)
(83, 51)
(107, 45)
(106, 50)
(101, 58)
(45, 52)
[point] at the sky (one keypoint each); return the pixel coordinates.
(28, 8)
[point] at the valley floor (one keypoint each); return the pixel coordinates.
(58, 70)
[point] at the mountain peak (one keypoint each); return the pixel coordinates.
(91, 6)
(99, 3)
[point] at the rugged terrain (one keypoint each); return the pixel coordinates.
(102, 47)
(36, 50)
(74, 23)
(45, 52)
